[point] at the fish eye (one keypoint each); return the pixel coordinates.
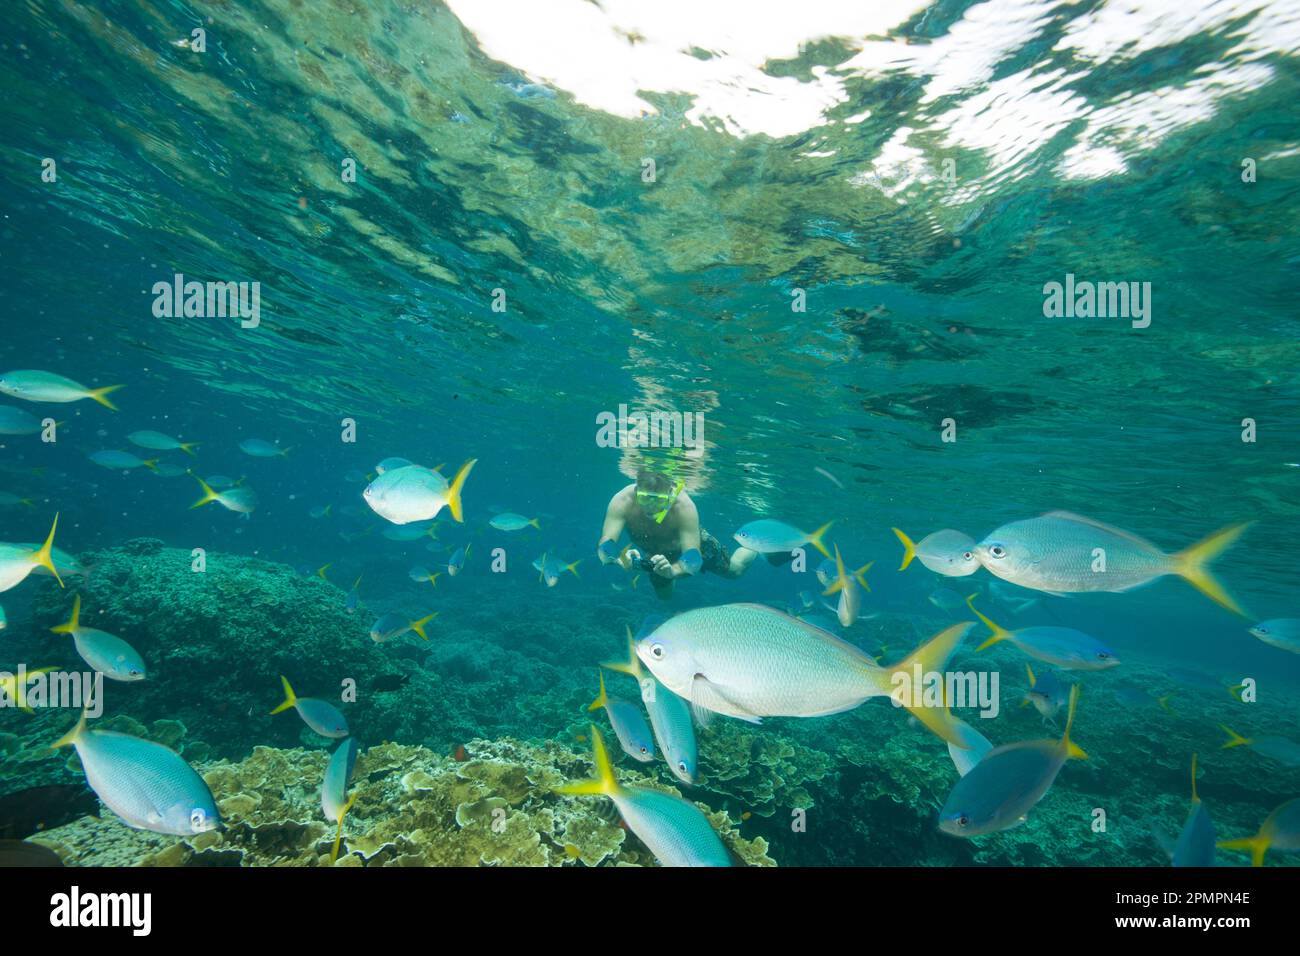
(681, 766)
(967, 555)
(1262, 629)
(963, 821)
(657, 651)
(197, 818)
(644, 750)
(1103, 655)
(997, 551)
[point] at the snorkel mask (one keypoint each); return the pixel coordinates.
(648, 499)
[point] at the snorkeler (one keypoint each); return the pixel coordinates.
(662, 522)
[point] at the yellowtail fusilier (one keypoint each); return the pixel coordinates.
(106, 653)
(237, 499)
(946, 552)
(321, 716)
(123, 460)
(1010, 780)
(513, 522)
(157, 441)
(1062, 646)
(456, 563)
(1064, 553)
(1281, 632)
(146, 784)
(1282, 749)
(846, 585)
(1195, 846)
(36, 386)
(392, 464)
(416, 493)
(261, 448)
(769, 536)
(419, 574)
(675, 830)
(334, 788)
(17, 561)
(394, 625)
(1047, 693)
(630, 727)
(550, 568)
(1281, 831)
(15, 421)
(750, 661)
(670, 716)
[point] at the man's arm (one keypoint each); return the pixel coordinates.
(613, 527)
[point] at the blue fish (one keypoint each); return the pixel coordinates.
(322, 717)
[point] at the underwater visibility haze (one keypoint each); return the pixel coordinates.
(588, 433)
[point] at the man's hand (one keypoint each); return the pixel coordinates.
(662, 566)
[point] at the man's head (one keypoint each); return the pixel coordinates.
(656, 493)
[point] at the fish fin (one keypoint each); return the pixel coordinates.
(457, 484)
(1030, 670)
(1234, 739)
(72, 735)
(1164, 701)
(632, 666)
(535, 524)
(1193, 565)
(603, 782)
(1072, 750)
(998, 633)
(70, 626)
(43, 556)
(418, 626)
(573, 568)
(1257, 845)
(189, 446)
(338, 836)
(150, 463)
(815, 539)
(841, 581)
(706, 695)
(290, 699)
(860, 575)
(931, 657)
(208, 493)
(320, 572)
(909, 548)
(100, 395)
(1102, 526)
(602, 698)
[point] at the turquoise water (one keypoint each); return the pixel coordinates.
(844, 244)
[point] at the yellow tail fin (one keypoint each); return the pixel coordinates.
(418, 626)
(458, 483)
(1072, 750)
(208, 493)
(999, 633)
(1193, 564)
(840, 579)
(320, 572)
(535, 524)
(98, 394)
(338, 836)
(909, 549)
(573, 568)
(604, 781)
(1032, 679)
(70, 626)
(43, 556)
(289, 697)
(860, 575)
(899, 682)
(632, 665)
(1257, 845)
(815, 539)
(150, 463)
(71, 736)
(601, 699)
(189, 446)
(1234, 739)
